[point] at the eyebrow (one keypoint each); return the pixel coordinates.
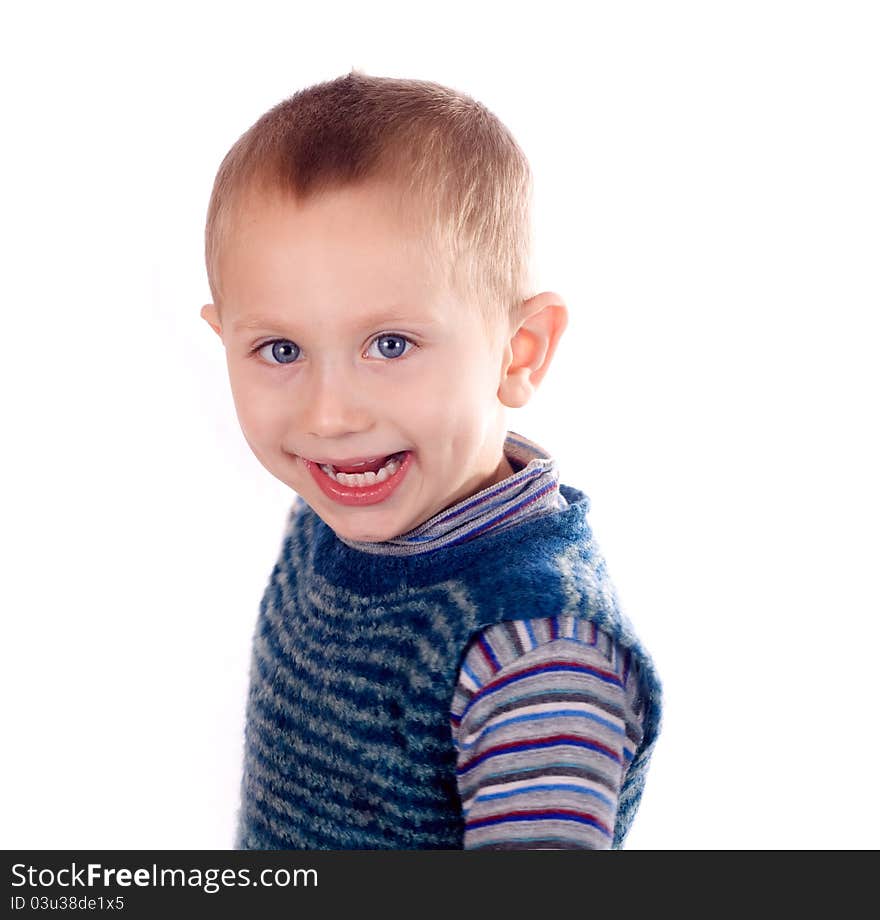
(376, 318)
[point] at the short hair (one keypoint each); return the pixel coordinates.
(441, 148)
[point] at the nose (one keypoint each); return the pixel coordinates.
(334, 405)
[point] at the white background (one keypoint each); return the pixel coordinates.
(707, 205)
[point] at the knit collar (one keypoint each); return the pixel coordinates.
(531, 490)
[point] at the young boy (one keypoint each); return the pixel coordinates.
(439, 659)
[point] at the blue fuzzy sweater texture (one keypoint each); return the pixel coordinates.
(355, 660)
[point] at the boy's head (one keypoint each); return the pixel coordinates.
(368, 253)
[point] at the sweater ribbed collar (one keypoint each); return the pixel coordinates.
(531, 490)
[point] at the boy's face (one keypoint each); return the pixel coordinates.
(371, 357)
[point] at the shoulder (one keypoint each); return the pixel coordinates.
(544, 662)
(546, 720)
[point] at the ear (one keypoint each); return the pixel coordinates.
(211, 315)
(542, 320)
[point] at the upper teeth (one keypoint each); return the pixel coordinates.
(361, 479)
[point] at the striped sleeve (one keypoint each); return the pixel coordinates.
(546, 718)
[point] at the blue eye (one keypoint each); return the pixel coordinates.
(391, 345)
(283, 350)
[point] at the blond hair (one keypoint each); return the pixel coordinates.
(441, 148)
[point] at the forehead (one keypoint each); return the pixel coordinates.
(358, 244)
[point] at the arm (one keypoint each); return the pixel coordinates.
(545, 719)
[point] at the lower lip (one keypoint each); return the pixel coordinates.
(358, 495)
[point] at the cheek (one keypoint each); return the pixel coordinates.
(444, 408)
(472, 386)
(261, 414)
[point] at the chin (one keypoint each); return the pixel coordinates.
(364, 535)
(371, 537)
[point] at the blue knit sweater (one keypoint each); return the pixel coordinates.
(356, 657)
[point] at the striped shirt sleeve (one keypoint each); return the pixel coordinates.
(546, 718)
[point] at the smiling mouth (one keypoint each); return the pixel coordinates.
(361, 489)
(365, 473)
(373, 464)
